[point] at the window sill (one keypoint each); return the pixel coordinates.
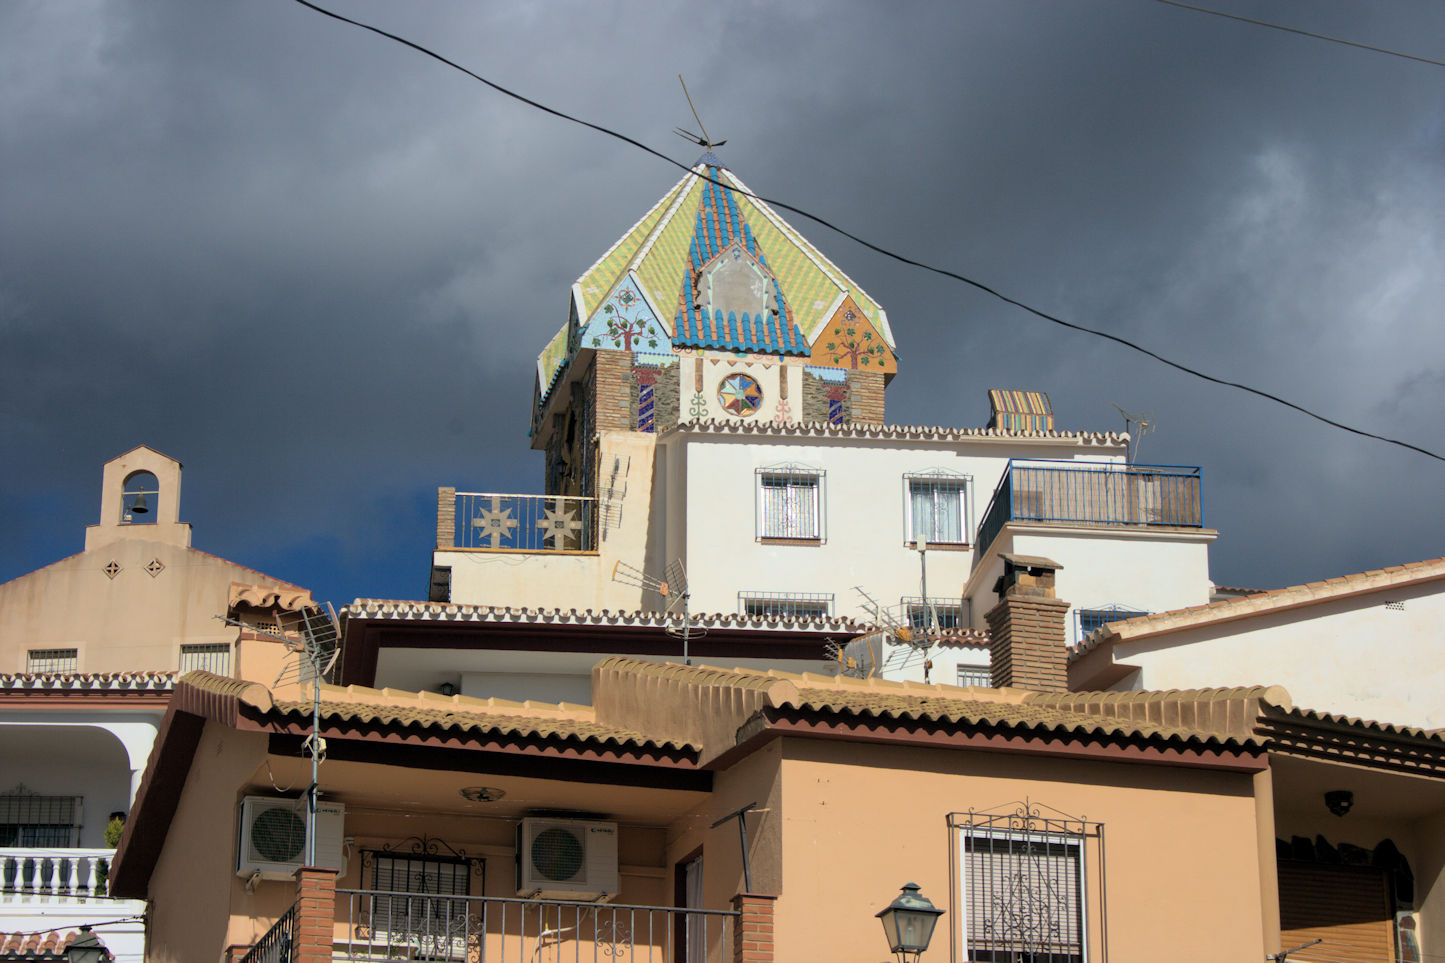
(776, 540)
(942, 546)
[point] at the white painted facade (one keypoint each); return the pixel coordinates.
(1377, 655)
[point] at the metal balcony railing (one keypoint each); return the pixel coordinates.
(1097, 493)
(525, 523)
(411, 926)
(44, 875)
(279, 943)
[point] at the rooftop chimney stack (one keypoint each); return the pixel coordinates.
(1029, 647)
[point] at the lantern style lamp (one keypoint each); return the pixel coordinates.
(908, 923)
(85, 948)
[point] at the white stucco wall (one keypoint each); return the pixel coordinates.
(1350, 656)
(865, 540)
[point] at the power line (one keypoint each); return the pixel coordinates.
(1302, 33)
(823, 222)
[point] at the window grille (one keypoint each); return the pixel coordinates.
(420, 902)
(33, 820)
(1025, 886)
(975, 675)
(790, 503)
(39, 661)
(209, 657)
(800, 605)
(947, 614)
(1088, 620)
(937, 507)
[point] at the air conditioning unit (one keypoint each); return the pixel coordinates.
(567, 859)
(273, 836)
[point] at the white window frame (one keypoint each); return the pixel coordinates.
(939, 479)
(968, 673)
(809, 527)
(915, 614)
(1077, 842)
(772, 605)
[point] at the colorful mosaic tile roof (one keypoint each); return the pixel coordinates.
(657, 251)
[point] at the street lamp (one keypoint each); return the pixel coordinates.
(908, 923)
(85, 948)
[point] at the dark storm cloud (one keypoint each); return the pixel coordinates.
(317, 267)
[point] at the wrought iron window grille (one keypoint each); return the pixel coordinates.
(214, 657)
(1027, 883)
(937, 505)
(791, 503)
(51, 661)
(798, 605)
(418, 897)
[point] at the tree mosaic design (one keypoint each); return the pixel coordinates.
(625, 323)
(851, 341)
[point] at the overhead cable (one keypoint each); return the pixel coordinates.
(823, 222)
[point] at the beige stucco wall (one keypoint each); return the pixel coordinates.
(137, 619)
(858, 821)
(194, 887)
(572, 581)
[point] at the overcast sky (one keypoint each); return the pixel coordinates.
(317, 267)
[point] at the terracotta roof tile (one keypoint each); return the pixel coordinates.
(403, 610)
(901, 432)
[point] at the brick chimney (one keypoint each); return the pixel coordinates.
(1029, 644)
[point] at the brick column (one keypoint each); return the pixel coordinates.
(315, 915)
(1028, 644)
(446, 517)
(753, 928)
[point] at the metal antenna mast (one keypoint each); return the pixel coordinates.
(1146, 425)
(673, 589)
(705, 142)
(311, 635)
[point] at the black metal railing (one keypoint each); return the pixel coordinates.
(279, 943)
(407, 926)
(1097, 493)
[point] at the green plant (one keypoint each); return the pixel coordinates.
(113, 829)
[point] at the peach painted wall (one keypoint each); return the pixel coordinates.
(858, 821)
(193, 890)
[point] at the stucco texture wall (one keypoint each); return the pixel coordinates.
(1356, 656)
(858, 821)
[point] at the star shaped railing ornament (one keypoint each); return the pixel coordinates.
(495, 525)
(559, 525)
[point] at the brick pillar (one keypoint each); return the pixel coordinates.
(613, 371)
(315, 915)
(1028, 644)
(446, 517)
(753, 928)
(865, 389)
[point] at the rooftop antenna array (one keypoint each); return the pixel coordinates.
(705, 142)
(865, 655)
(672, 586)
(1146, 425)
(312, 644)
(611, 497)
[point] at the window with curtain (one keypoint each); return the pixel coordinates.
(938, 508)
(790, 504)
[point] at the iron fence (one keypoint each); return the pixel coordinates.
(1107, 493)
(390, 925)
(525, 523)
(279, 943)
(797, 605)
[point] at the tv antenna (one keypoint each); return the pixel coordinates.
(705, 142)
(1146, 425)
(311, 640)
(866, 654)
(673, 589)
